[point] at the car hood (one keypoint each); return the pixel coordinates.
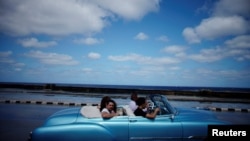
(65, 116)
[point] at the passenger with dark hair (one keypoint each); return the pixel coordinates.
(104, 101)
(142, 104)
(108, 111)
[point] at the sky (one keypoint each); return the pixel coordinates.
(126, 42)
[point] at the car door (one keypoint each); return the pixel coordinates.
(162, 128)
(117, 127)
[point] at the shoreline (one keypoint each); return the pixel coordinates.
(171, 97)
(204, 95)
(203, 103)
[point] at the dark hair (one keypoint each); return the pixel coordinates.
(133, 96)
(104, 101)
(140, 101)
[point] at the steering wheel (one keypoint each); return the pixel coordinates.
(152, 106)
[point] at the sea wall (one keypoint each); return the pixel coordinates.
(53, 88)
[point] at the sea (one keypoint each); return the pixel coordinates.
(41, 95)
(174, 88)
(141, 87)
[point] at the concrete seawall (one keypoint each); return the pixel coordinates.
(220, 109)
(51, 89)
(112, 90)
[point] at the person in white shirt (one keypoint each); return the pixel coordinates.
(109, 110)
(132, 103)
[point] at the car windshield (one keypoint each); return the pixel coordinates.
(161, 102)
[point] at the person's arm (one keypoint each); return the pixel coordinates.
(153, 114)
(108, 115)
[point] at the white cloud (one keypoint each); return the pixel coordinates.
(145, 59)
(64, 17)
(58, 17)
(130, 9)
(215, 27)
(228, 18)
(18, 69)
(175, 68)
(141, 36)
(234, 25)
(88, 41)
(239, 47)
(174, 49)
(52, 58)
(33, 42)
(236, 48)
(232, 7)
(203, 57)
(239, 42)
(5, 54)
(121, 58)
(163, 38)
(226, 74)
(87, 70)
(190, 35)
(93, 55)
(148, 72)
(5, 57)
(19, 64)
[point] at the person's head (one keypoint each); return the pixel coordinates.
(134, 96)
(141, 101)
(110, 105)
(104, 101)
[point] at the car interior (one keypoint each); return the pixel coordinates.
(93, 111)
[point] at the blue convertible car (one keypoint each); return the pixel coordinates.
(86, 124)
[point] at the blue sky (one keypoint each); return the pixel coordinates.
(132, 42)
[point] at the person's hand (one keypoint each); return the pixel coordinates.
(157, 109)
(114, 114)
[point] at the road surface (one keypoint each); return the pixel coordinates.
(17, 120)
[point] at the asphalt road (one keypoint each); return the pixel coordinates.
(17, 120)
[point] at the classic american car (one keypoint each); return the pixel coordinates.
(86, 124)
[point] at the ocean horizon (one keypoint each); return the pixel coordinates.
(138, 87)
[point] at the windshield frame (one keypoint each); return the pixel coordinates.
(162, 102)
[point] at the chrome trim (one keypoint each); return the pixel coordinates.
(196, 137)
(167, 138)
